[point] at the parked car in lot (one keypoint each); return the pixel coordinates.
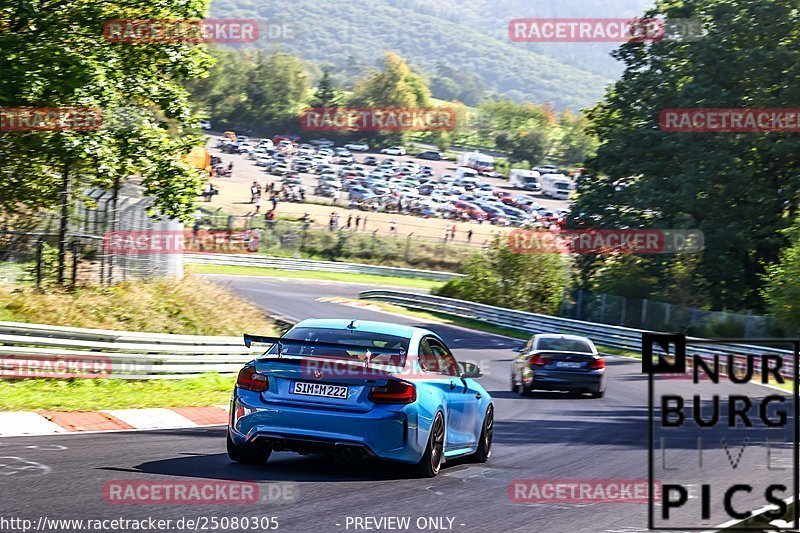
(205, 124)
(325, 190)
(360, 193)
(370, 160)
(559, 362)
(431, 155)
(300, 165)
(357, 147)
(546, 169)
(321, 143)
(280, 169)
(394, 150)
(293, 398)
(473, 211)
(494, 214)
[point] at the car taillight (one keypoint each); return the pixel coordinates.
(538, 360)
(251, 380)
(596, 364)
(395, 391)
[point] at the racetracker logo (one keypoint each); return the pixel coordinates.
(379, 119)
(730, 120)
(653, 241)
(179, 242)
(585, 30)
(523, 491)
(151, 31)
(50, 119)
(181, 492)
(55, 367)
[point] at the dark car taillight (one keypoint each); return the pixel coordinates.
(596, 364)
(251, 380)
(395, 391)
(537, 360)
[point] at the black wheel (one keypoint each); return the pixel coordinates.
(523, 390)
(432, 459)
(599, 394)
(484, 450)
(513, 385)
(247, 454)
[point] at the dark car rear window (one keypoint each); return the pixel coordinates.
(398, 345)
(566, 345)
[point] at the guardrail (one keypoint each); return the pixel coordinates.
(38, 350)
(286, 263)
(602, 334)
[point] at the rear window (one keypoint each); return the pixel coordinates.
(397, 345)
(566, 345)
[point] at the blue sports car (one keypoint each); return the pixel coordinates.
(356, 388)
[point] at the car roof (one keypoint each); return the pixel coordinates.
(385, 328)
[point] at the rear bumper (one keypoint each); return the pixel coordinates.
(389, 432)
(569, 381)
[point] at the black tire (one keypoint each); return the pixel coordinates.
(598, 394)
(513, 385)
(484, 450)
(523, 390)
(432, 459)
(247, 454)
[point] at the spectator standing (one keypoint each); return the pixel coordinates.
(349, 221)
(358, 221)
(469, 235)
(336, 195)
(365, 222)
(274, 202)
(330, 222)
(258, 204)
(393, 226)
(453, 233)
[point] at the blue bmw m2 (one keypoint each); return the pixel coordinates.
(356, 388)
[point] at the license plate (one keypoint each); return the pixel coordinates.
(568, 364)
(320, 389)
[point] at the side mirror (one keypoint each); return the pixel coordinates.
(470, 370)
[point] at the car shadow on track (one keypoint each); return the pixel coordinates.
(282, 466)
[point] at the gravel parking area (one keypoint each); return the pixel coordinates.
(234, 199)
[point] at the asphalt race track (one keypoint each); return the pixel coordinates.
(550, 436)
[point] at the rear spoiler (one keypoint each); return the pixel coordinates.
(282, 341)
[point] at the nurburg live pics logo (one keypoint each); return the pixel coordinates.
(731, 463)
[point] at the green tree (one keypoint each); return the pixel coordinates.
(740, 189)
(781, 289)
(501, 277)
(396, 86)
(326, 95)
(55, 55)
(575, 143)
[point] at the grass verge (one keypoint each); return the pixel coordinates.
(96, 394)
(166, 305)
(309, 274)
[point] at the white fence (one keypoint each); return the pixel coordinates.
(37, 350)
